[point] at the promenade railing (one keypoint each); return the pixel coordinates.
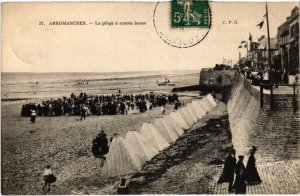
(294, 89)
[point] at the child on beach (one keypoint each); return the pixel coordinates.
(48, 178)
(162, 109)
(32, 116)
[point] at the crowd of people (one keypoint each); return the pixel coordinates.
(84, 104)
(244, 175)
(258, 76)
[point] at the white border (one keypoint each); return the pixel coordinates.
(2, 1)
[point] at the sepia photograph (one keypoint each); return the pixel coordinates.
(128, 98)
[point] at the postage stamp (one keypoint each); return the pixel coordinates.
(189, 13)
(182, 23)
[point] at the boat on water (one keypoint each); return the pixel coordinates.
(165, 82)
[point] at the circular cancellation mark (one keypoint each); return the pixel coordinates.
(182, 23)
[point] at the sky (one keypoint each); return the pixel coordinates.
(29, 47)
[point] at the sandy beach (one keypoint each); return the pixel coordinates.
(65, 142)
(70, 70)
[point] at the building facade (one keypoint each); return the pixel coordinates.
(288, 43)
(258, 53)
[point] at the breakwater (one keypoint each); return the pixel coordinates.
(220, 78)
(275, 132)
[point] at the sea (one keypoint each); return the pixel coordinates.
(24, 86)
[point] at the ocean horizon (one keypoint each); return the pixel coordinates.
(19, 85)
(33, 77)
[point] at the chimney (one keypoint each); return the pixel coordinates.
(295, 11)
(261, 38)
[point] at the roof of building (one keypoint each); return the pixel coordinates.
(289, 19)
(294, 13)
(263, 43)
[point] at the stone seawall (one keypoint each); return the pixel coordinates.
(275, 133)
(216, 78)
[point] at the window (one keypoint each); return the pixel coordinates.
(296, 29)
(292, 31)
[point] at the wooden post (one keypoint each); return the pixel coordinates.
(261, 96)
(269, 59)
(294, 98)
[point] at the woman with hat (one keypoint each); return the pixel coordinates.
(228, 170)
(252, 176)
(240, 184)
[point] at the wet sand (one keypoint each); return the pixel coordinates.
(64, 142)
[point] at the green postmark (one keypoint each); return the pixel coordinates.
(190, 13)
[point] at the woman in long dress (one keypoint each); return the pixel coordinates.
(240, 185)
(252, 176)
(228, 170)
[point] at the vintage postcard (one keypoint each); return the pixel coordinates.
(173, 97)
